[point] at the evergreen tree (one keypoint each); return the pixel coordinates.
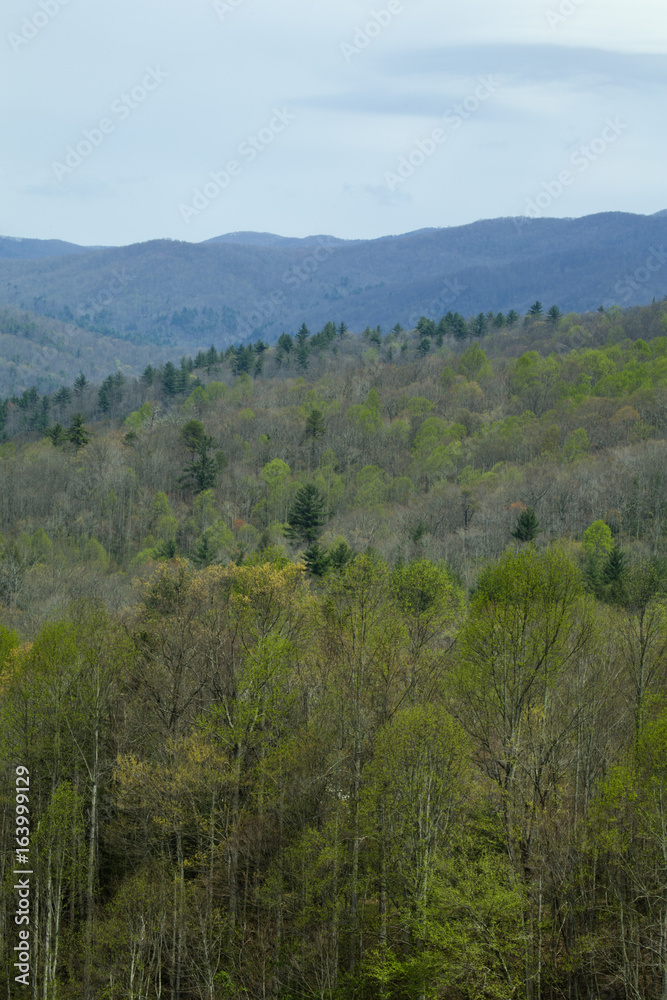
(103, 400)
(339, 555)
(77, 433)
(459, 326)
(302, 347)
(285, 343)
(211, 358)
(204, 553)
(613, 577)
(512, 318)
(316, 560)
(303, 334)
(284, 348)
(479, 325)
(170, 379)
(63, 396)
(80, 383)
(57, 434)
(306, 516)
(243, 361)
(41, 418)
(166, 549)
(554, 315)
(193, 435)
(527, 526)
(425, 327)
(535, 309)
(202, 472)
(614, 567)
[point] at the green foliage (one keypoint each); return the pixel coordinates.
(614, 567)
(367, 416)
(194, 436)
(57, 434)
(328, 775)
(597, 541)
(306, 517)
(429, 601)
(429, 435)
(473, 363)
(77, 433)
(577, 445)
(140, 417)
(316, 560)
(370, 485)
(527, 526)
(9, 641)
(202, 472)
(415, 406)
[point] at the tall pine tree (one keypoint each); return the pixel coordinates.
(306, 517)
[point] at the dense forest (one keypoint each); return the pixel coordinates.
(338, 667)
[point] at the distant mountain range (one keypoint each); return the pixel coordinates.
(245, 285)
(17, 248)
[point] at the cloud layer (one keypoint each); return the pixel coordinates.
(116, 115)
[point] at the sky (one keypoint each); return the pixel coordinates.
(129, 120)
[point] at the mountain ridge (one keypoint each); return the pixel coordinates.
(241, 286)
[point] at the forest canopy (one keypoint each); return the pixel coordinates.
(338, 666)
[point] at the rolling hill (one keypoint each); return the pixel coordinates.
(246, 285)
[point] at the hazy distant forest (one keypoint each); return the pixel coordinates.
(339, 666)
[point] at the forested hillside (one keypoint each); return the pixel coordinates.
(338, 666)
(37, 352)
(246, 285)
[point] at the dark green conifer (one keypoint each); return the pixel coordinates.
(306, 517)
(614, 567)
(316, 559)
(527, 526)
(77, 433)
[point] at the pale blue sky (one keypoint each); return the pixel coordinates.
(129, 120)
